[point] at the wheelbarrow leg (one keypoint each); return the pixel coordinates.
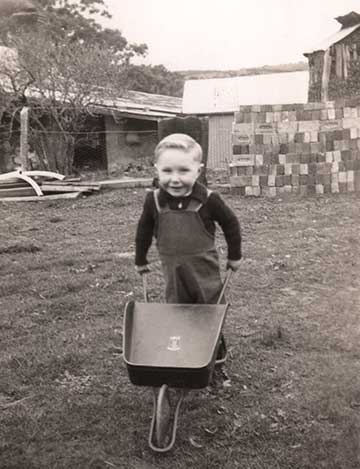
(222, 352)
(164, 420)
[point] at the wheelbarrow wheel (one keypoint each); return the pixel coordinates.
(164, 420)
(163, 417)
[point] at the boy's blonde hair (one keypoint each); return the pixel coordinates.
(181, 142)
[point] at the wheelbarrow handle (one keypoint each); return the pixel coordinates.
(228, 275)
(144, 282)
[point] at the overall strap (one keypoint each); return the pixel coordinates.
(156, 199)
(195, 206)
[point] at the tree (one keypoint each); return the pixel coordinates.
(20, 8)
(65, 63)
(75, 19)
(60, 83)
(60, 68)
(155, 79)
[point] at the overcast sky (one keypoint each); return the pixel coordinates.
(226, 34)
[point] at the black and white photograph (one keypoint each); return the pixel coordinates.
(179, 234)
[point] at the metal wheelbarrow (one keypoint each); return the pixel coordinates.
(172, 346)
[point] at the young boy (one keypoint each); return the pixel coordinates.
(181, 214)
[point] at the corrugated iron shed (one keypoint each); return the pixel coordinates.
(225, 95)
(220, 148)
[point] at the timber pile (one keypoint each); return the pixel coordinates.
(40, 185)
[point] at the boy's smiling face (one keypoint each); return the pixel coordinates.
(177, 171)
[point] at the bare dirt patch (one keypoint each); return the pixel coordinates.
(293, 330)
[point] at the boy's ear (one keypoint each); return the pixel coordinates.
(200, 168)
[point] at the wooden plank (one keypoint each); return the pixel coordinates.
(338, 61)
(66, 195)
(13, 184)
(326, 76)
(45, 187)
(94, 185)
(9, 180)
(346, 54)
(17, 192)
(74, 179)
(126, 183)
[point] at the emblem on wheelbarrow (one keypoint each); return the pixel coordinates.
(174, 343)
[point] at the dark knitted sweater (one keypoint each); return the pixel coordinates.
(213, 210)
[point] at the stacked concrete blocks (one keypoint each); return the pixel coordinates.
(304, 149)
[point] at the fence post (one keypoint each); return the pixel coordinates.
(24, 137)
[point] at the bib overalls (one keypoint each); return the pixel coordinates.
(188, 255)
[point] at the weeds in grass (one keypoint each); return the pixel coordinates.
(293, 399)
(20, 247)
(274, 337)
(55, 219)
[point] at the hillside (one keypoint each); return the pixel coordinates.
(201, 74)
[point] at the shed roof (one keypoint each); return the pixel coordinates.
(333, 39)
(225, 95)
(142, 104)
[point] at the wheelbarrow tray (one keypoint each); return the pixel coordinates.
(173, 344)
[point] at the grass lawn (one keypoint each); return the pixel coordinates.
(293, 331)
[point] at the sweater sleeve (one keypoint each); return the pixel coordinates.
(229, 223)
(145, 230)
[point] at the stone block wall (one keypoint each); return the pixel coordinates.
(311, 148)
